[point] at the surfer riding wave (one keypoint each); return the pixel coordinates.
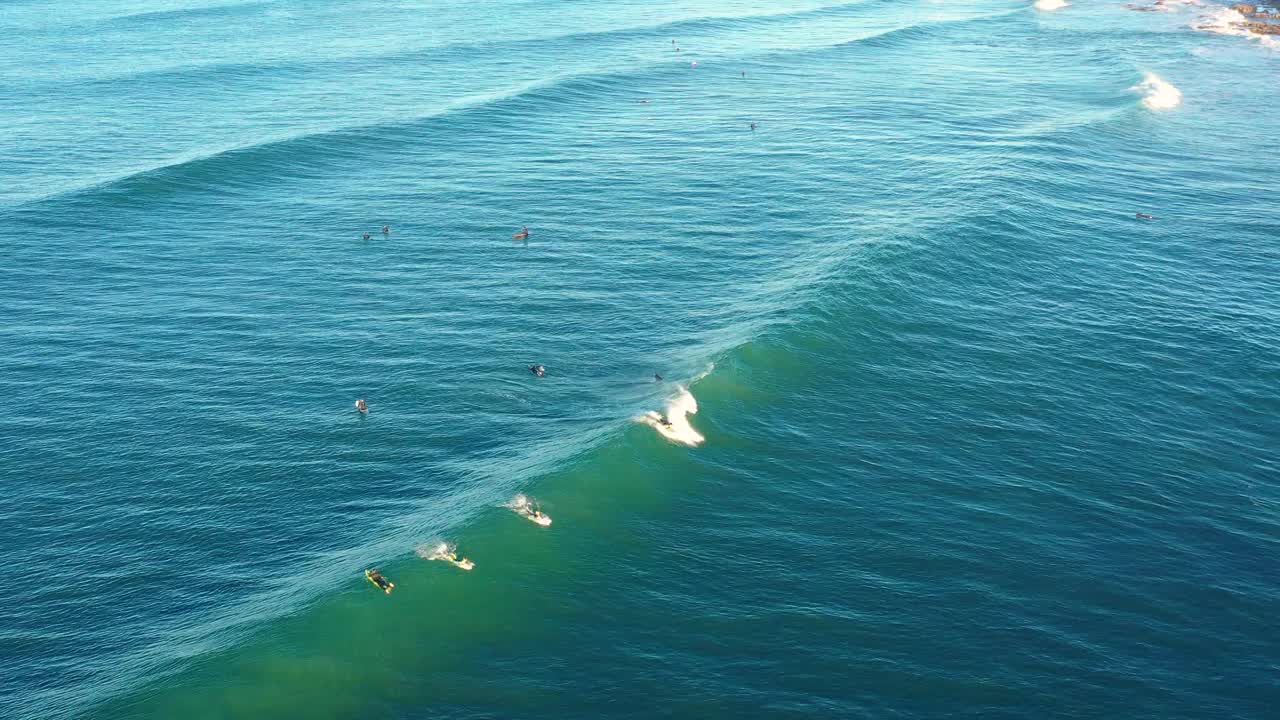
(673, 424)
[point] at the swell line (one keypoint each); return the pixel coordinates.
(199, 171)
(216, 72)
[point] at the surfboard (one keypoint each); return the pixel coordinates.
(544, 520)
(368, 575)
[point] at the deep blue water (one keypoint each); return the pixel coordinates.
(977, 441)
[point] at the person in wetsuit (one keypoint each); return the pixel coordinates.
(380, 581)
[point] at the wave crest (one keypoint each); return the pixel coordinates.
(1050, 5)
(1158, 93)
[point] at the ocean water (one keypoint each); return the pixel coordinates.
(970, 439)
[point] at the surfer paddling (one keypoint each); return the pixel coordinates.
(379, 581)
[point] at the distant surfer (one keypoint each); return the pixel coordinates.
(664, 421)
(753, 127)
(657, 377)
(644, 101)
(744, 74)
(386, 229)
(523, 234)
(362, 407)
(365, 237)
(378, 580)
(1144, 216)
(693, 64)
(538, 370)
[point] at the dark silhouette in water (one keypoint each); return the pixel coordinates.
(657, 377)
(365, 237)
(1144, 216)
(538, 370)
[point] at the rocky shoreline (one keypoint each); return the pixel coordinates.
(1257, 20)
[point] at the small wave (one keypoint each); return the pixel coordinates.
(677, 427)
(205, 12)
(1050, 5)
(1158, 93)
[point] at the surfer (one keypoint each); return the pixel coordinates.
(744, 74)
(753, 127)
(365, 237)
(523, 234)
(693, 64)
(1144, 216)
(664, 421)
(377, 579)
(538, 370)
(657, 377)
(386, 229)
(362, 407)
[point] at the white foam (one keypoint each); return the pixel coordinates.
(1050, 5)
(1158, 93)
(1225, 21)
(448, 552)
(438, 550)
(679, 408)
(527, 507)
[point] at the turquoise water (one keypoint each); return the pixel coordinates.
(977, 442)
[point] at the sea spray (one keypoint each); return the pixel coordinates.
(1050, 5)
(1158, 93)
(528, 508)
(435, 550)
(518, 502)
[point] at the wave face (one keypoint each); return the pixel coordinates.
(973, 438)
